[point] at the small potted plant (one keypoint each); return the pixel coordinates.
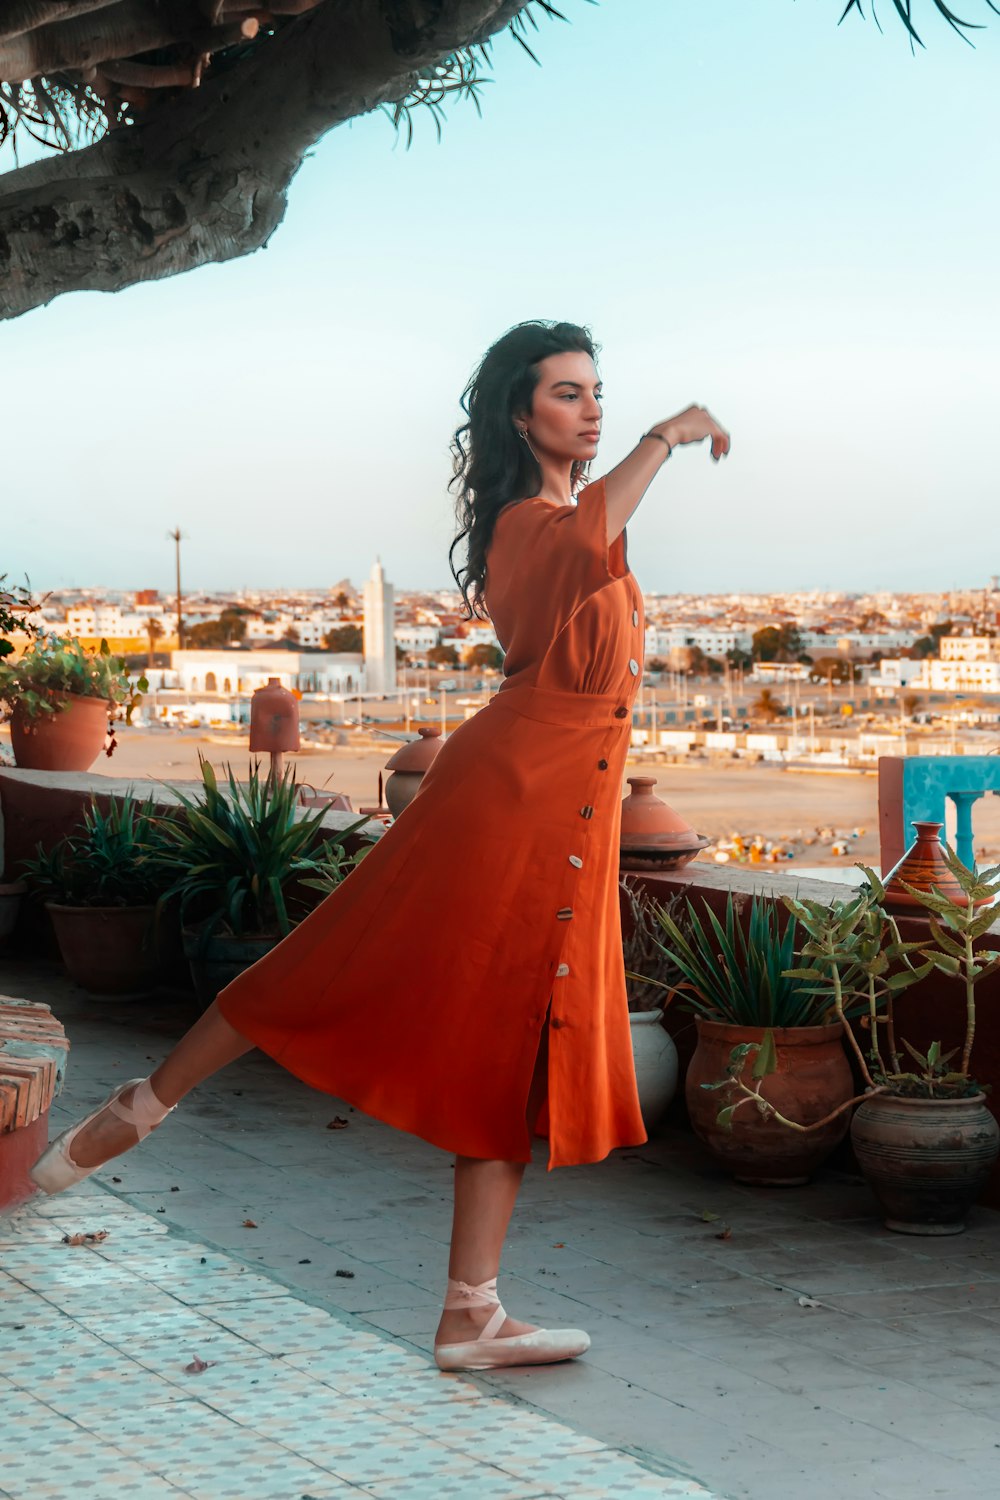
(923, 1136)
(650, 976)
(750, 1007)
(100, 884)
(239, 862)
(63, 702)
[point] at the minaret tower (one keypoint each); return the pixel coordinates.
(380, 632)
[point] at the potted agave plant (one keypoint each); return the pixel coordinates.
(239, 861)
(923, 1135)
(754, 1011)
(100, 884)
(63, 702)
(650, 976)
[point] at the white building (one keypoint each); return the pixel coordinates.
(969, 648)
(380, 633)
(934, 676)
(232, 673)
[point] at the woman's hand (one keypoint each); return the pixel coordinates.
(693, 426)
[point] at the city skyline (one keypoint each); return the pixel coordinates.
(735, 234)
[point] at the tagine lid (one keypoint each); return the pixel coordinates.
(924, 867)
(650, 823)
(417, 755)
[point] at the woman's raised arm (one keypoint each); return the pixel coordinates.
(627, 482)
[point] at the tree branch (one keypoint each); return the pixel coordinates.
(205, 178)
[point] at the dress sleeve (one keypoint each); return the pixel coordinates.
(545, 562)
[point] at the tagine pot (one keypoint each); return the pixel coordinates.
(813, 1077)
(925, 867)
(70, 739)
(409, 766)
(926, 1160)
(107, 950)
(653, 835)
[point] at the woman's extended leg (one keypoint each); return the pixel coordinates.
(209, 1045)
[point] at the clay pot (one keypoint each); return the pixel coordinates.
(925, 867)
(812, 1079)
(70, 739)
(274, 718)
(409, 765)
(926, 1160)
(108, 950)
(221, 959)
(655, 1059)
(653, 835)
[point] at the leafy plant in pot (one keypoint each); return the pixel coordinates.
(649, 971)
(240, 863)
(100, 884)
(923, 1135)
(751, 1010)
(64, 702)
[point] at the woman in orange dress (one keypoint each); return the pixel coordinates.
(465, 983)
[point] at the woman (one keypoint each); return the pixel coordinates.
(465, 982)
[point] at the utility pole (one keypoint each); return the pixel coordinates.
(177, 536)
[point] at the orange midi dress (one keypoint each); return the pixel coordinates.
(420, 988)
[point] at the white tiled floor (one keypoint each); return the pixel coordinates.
(294, 1405)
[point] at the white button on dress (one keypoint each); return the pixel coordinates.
(635, 617)
(576, 861)
(562, 971)
(633, 667)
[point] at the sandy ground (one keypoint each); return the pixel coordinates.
(718, 800)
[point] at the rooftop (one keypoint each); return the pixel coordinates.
(763, 1344)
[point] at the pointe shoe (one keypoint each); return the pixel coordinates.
(55, 1169)
(543, 1347)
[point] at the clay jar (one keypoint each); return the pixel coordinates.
(813, 1077)
(925, 867)
(274, 718)
(70, 739)
(409, 765)
(926, 1160)
(653, 835)
(107, 950)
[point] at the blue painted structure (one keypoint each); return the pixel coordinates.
(929, 780)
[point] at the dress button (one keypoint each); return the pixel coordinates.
(565, 914)
(633, 667)
(635, 617)
(602, 765)
(562, 971)
(586, 812)
(576, 861)
(621, 713)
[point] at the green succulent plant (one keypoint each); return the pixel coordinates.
(111, 859)
(235, 858)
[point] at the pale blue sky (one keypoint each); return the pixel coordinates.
(794, 223)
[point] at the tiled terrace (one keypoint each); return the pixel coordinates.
(708, 1368)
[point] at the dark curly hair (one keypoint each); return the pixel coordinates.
(493, 467)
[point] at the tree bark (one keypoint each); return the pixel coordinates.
(205, 179)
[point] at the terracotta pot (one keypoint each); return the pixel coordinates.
(108, 950)
(69, 740)
(925, 867)
(409, 766)
(926, 1160)
(219, 961)
(812, 1079)
(653, 835)
(10, 905)
(655, 1058)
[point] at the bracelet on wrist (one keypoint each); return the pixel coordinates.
(660, 439)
